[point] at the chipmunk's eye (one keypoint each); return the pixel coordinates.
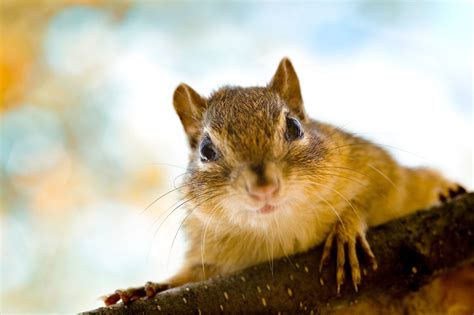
(207, 150)
(294, 131)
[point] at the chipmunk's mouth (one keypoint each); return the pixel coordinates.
(267, 209)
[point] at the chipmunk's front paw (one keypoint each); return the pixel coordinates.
(149, 290)
(347, 240)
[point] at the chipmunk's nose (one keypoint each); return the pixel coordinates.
(263, 181)
(265, 192)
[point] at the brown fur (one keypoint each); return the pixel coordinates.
(328, 176)
(330, 180)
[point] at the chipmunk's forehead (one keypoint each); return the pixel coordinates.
(236, 110)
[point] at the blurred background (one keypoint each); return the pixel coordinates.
(89, 137)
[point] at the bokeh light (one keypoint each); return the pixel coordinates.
(89, 137)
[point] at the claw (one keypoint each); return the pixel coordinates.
(354, 263)
(442, 198)
(461, 190)
(327, 249)
(367, 251)
(152, 288)
(149, 290)
(341, 260)
(451, 193)
(124, 296)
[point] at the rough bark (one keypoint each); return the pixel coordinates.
(411, 252)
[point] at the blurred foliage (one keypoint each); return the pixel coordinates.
(88, 137)
(56, 161)
(21, 27)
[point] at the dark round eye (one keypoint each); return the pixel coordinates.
(294, 131)
(207, 150)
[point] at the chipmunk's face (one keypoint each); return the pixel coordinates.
(250, 147)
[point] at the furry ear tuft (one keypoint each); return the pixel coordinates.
(189, 106)
(286, 84)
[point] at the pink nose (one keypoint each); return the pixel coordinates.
(263, 193)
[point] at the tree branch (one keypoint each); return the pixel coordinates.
(411, 252)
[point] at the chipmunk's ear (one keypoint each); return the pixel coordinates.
(189, 106)
(285, 82)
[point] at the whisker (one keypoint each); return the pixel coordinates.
(344, 168)
(384, 176)
(271, 230)
(384, 196)
(366, 143)
(203, 238)
(167, 216)
(282, 244)
(159, 198)
(268, 252)
(338, 175)
(339, 194)
(182, 222)
(334, 210)
(185, 196)
(168, 164)
(167, 209)
(178, 176)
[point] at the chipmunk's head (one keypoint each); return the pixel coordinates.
(252, 149)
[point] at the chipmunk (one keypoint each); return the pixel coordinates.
(265, 175)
